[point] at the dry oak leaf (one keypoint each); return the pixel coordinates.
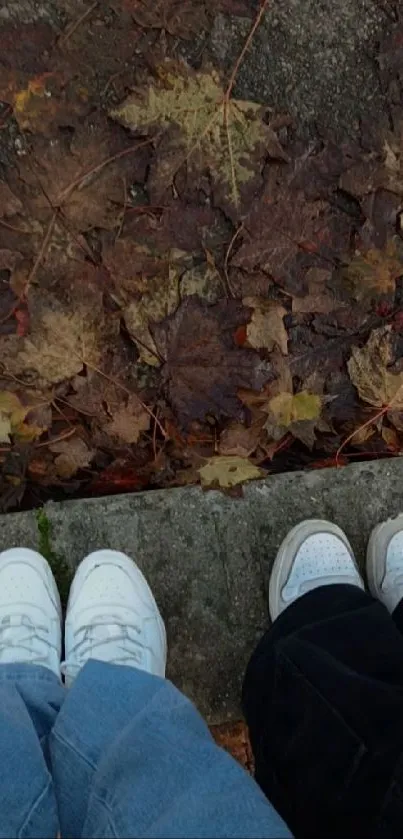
(182, 18)
(368, 370)
(129, 421)
(299, 414)
(266, 327)
(227, 139)
(373, 272)
(72, 455)
(227, 472)
(204, 368)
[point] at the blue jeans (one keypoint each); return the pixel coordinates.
(122, 754)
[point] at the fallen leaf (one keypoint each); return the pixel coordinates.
(72, 454)
(61, 339)
(182, 18)
(229, 139)
(234, 738)
(282, 230)
(227, 472)
(42, 104)
(299, 413)
(160, 299)
(368, 369)
(319, 299)
(70, 174)
(203, 280)
(266, 327)
(373, 272)
(238, 440)
(391, 438)
(203, 367)
(13, 416)
(129, 421)
(10, 205)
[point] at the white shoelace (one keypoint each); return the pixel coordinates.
(23, 641)
(107, 638)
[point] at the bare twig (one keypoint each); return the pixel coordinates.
(129, 393)
(15, 229)
(245, 48)
(373, 419)
(227, 256)
(78, 182)
(63, 436)
(76, 23)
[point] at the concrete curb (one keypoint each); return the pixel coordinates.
(208, 557)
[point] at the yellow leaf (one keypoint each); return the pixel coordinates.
(228, 138)
(368, 369)
(266, 327)
(288, 408)
(12, 419)
(226, 472)
(5, 428)
(300, 414)
(12, 414)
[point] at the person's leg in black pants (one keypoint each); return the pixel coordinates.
(323, 692)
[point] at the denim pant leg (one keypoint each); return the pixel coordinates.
(132, 757)
(30, 698)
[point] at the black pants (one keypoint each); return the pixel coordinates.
(323, 699)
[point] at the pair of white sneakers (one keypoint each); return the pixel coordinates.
(112, 615)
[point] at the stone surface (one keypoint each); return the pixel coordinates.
(315, 60)
(208, 557)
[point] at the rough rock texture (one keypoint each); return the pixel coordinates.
(316, 60)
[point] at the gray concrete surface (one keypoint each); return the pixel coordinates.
(208, 557)
(314, 59)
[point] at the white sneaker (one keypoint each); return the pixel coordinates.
(112, 616)
(385, 562)
(315, 553)
(30, 611)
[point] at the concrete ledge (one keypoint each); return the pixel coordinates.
(208, 557)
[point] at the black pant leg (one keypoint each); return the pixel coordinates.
(397, 616)
(323, 699)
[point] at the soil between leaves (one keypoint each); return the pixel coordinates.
(186, 288)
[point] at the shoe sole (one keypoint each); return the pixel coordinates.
(41, 565)
(123, 561)
(287, 551)
(376, 551)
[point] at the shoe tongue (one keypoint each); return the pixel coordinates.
(105, 631)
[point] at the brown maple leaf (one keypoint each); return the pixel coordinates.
(79, 177)
(183, 18)
(203, 367)
(284, 235)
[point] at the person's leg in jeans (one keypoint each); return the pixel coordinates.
(323, 692)
(31, 693)
(130, 754)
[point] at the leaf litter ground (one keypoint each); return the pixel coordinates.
(188, 292)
